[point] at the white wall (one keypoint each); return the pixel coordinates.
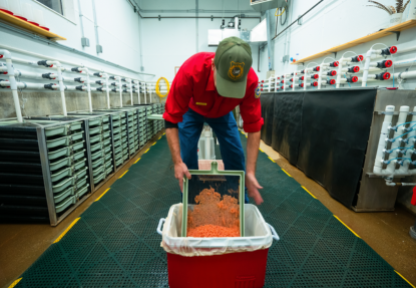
(118, 30)
(169, 42)
(331, 23)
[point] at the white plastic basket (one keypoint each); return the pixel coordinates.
(259, 235)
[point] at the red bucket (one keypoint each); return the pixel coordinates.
(217, 262)
(245, 270)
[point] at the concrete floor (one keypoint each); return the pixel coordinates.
(386, 233)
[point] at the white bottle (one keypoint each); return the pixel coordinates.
(412, 10)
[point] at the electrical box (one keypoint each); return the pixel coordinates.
(85, 42)
(99, 49)
(264, 5)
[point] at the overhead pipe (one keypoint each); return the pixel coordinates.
(312, 84)
(24, 85)
(40, 56)
(352, 69)
(325, 82)
(26, 74)
(376, 77)
(97, 38)
(405, 75)
(350, 79)
(297, 20)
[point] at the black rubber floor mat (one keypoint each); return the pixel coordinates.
(115, 244)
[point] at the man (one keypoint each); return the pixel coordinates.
(206, 89)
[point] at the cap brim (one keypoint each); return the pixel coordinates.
(230, 89)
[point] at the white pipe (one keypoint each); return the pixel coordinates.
(404, 111)
(145, 95)
(405, 75)
(70, 79)
(22, 85)
(107, 90)
(24, 61)
(354, 69)
(76, 88)
(411, 136)
(366, 67)
(88, 88)
(385, 129)
(60, 60)
(405, 50)
(26, 74)
(121, 92)
(404, 63)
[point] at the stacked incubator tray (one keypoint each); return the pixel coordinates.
(43, 169)
(133, 135)
(150, 129)
(100, 144)
(160, 111)
(126, 134)
(142, 122)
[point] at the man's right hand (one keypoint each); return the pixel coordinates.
(181, 171)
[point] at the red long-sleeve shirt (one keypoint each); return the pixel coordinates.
(194, 87)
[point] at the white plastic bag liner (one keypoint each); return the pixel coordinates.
(258, 236)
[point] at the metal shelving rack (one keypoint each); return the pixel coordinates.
(43, 168)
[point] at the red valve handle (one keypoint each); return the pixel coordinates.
(388, 63)
(393, 49)
(413, 201)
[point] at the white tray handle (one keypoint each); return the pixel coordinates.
(274, 233)
(161, 222)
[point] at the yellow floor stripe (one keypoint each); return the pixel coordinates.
(66, 230)
(347, 227)
(101, 195)
(123, 174)
(405, 279)
(286, 172)
(164, 133)
(304, 188)
(245, 135)
(160, 137)
(261, 150)
(18, 280)
(271, 160)
(154, 144)
(137, 160)
(146, 150)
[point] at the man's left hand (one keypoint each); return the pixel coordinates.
(253, 188)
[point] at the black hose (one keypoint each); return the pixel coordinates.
(298, 19)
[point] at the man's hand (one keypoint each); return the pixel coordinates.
(253, 188)
(181, 170)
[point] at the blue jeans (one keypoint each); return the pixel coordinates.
(226, 130)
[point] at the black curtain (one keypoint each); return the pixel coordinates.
(324, 134)
(287, 125)
(267, 113)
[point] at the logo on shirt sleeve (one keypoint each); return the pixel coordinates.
(236, 70)
(257, 92)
